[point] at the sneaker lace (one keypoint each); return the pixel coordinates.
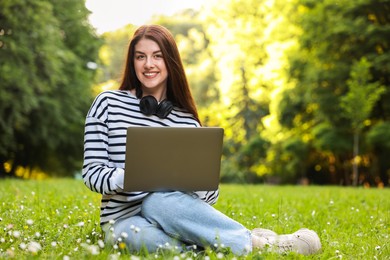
(281, 245)
(285, 246)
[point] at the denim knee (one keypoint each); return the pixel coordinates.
(160, 204)
(160, 200)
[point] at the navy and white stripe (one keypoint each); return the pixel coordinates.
(105, 147)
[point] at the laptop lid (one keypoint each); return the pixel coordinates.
(173, 158)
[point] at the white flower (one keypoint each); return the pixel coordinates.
(115, 257)
(93, 249)
(29, 222)
(100, 243)
(124, 235)
(80, 224)
(16, 234)
(23, 246)
(220, 256)
(378, 247)
(34, 247)
(66, 257)
(54, 244)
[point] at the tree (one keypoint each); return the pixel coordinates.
(333, 35)
(248, 39)
(113, 53)
(45, 47)
(358, 103)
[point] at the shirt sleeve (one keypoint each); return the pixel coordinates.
(97, 174)
(211, 197)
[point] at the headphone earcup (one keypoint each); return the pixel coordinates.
(164, 108)
(148, 105)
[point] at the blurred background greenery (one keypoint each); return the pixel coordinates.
(302, 87)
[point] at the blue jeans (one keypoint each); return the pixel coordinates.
(179, 220)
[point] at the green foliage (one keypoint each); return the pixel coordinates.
(361, 97)
(357, 104)
(44, 91)
(333, 36)
(62, 216)
(193, 44)
(238, 33)
(113, 53)
(278, 72)
(281, 77)
(379, 135)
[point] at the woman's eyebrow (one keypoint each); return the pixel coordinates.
(144, 53)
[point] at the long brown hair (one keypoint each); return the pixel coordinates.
(178, 90)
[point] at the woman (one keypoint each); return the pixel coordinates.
(155, 92)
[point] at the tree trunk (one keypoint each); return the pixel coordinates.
(355, 169)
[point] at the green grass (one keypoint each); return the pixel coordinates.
(62, 216)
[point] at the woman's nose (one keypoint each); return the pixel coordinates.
(149, 63)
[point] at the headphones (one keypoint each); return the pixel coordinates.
(150, 106)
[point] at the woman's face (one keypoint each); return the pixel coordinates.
(150, 68)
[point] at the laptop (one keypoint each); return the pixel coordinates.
(173, 158)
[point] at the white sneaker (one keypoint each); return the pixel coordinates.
(262, 232)
(304, 241)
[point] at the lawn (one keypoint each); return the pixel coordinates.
(58, 219)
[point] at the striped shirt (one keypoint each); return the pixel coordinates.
(105, 147)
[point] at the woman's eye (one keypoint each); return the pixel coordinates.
(158, 56)
(139, 57)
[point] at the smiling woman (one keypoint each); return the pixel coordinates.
(180, 219)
